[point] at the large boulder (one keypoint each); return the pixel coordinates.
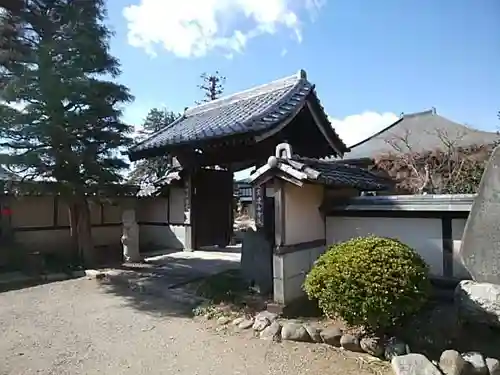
(413, 364)
(372, 345)
(478, 302)
(479, 250)
(350, 342)
(477, 362)
(452, 363)
(295, 332)
(332, 336)
(272, 332)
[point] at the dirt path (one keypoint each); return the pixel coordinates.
(81, 327)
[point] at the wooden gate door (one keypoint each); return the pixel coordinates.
(212, 205)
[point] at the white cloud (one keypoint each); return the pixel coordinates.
(356, 128)
(192, 28)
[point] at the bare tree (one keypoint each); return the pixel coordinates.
(449, 168)
(212, 86)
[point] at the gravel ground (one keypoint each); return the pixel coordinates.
(83, 327)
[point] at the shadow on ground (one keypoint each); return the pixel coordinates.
(161, 284)
(17, 285)
(438, 327)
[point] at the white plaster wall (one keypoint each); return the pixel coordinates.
(162, 237)
(59, 240)
(422, 234)
(457, 230)
(162, 221)
(177, 201)
(180, 232)
(303, 220)
(112, 213)
(38, 231)
(153, 210)
(45, 241)
(289, 272)
(32, 211)
(107, 236)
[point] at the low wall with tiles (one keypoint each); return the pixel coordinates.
(433, 225)
(41, 223)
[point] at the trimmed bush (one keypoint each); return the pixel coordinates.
(371, 282)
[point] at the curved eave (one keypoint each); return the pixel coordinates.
(327, 125)
(263, 127)
(169, 148)
(254, 130)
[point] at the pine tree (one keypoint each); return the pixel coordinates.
(152, 169)
(212, 86)
(55, 62)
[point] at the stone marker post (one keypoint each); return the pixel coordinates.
(480, 247)
(130, 237)
(478, 301)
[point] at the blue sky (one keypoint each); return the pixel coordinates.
(370, 60)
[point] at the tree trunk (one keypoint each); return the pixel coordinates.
(81, 234)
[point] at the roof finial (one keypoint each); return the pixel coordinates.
(302, 74)
(283, 151)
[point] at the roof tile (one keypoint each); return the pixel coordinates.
(339, 174)
(252, 110)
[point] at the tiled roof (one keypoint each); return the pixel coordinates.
(334, 174)
(338, 174)
(251, 111)
(423, 131)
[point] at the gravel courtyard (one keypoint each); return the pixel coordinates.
(83, 327)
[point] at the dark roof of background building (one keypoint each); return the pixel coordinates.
(422, 131)
(252, 111)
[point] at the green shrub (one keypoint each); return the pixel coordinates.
(370, 282)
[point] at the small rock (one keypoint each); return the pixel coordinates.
(295, 332)
(452, 363)
(331, 336)
(372, 345)
(260, 323)
(268, 315)
(223, 320)
(394, 348)
(478, 302)
(413, 364)
(350, 342)
(237, 321)
(314, 332)
(493, 366)
(245, 324)
(271, 332)
(478, 363)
